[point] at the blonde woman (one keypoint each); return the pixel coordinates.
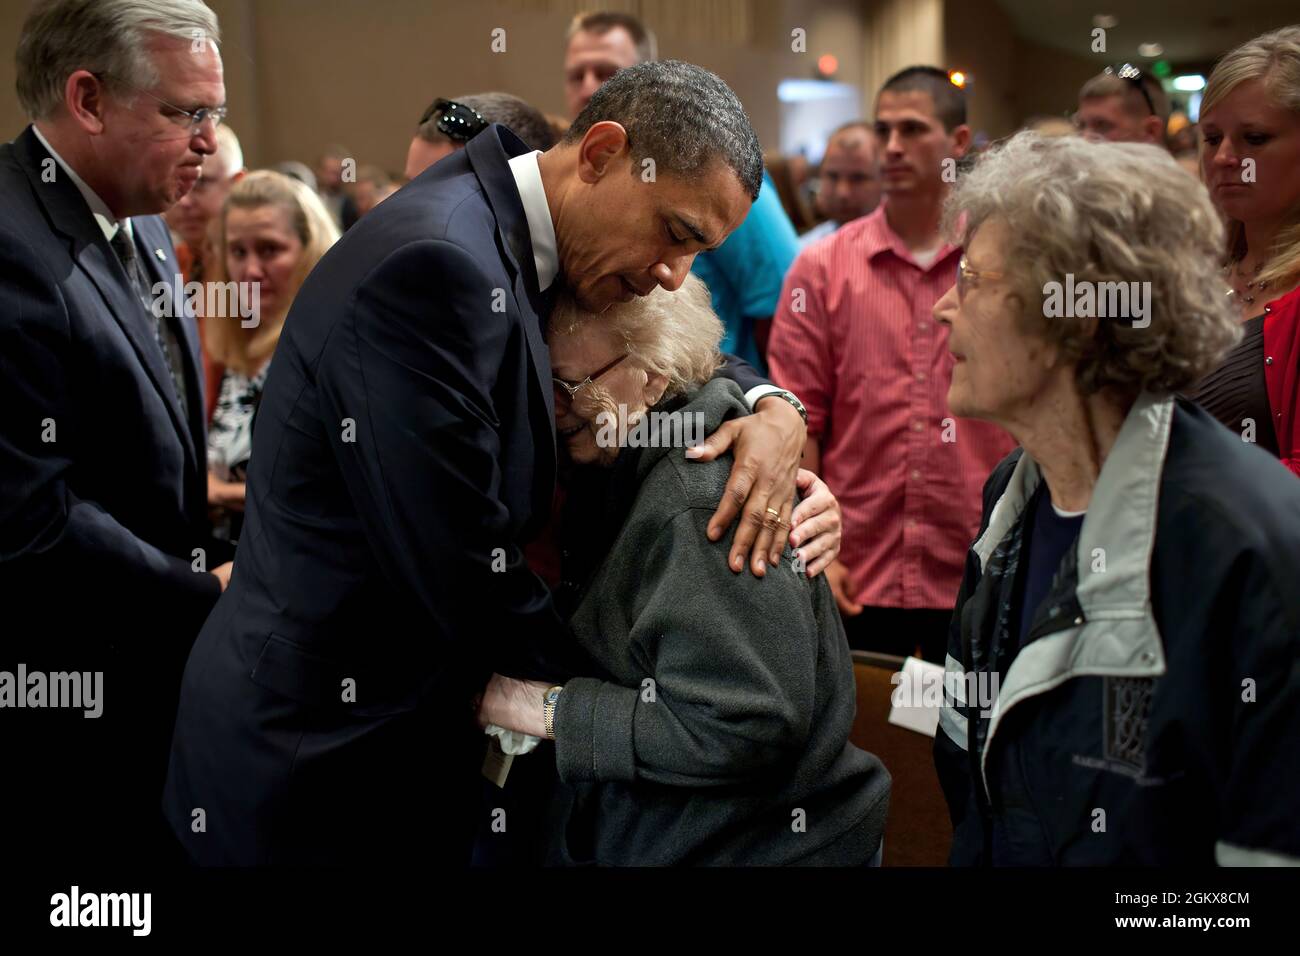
(1250, 161)
(753, 696)
(272, 232)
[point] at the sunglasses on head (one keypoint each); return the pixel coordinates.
(455, 120)
(1132, 74)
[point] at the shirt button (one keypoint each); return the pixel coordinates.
(922, 326)
(911, 522)
(1269, 360)
(916, 474)
(920, 376)
(917, 426)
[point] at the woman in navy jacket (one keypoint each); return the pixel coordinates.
(1120, 682)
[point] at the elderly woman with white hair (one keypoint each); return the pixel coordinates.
(713, 725)
(1121, 684)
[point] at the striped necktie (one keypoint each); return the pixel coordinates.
(164, 335)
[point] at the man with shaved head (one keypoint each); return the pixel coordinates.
(850, 181)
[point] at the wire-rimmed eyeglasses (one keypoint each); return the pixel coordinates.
(571, 389)
(193, 119)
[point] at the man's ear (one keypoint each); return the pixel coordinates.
(960, 140)
(83, 96)
(601, 146)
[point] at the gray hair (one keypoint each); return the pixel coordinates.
(60, 37)
(674, 334)
(681, 116)
(1107, 212)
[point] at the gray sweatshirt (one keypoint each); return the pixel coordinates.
(718, 730)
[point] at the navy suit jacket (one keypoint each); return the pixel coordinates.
(405, 444)
(102, 497)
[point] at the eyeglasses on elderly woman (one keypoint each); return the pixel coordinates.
(966, 277)
(568, 391)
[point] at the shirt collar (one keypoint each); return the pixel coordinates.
(541, 230)
(878, 238)
(103, 215)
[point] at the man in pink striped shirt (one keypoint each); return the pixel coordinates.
(855, 339)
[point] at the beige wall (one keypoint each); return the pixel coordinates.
(11, 117)
(1014, 80)
(898, 34)
(302, 74)
(1057, 77)
(979, 41)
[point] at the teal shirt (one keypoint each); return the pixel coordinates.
(745, 273)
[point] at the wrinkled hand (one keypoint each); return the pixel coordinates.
(513, 704)
(817, 526)
(767, 447)
(837, 576)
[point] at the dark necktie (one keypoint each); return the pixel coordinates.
(164, 335)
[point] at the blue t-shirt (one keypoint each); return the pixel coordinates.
(1047, 539)
(745, 273)
(1050, 536)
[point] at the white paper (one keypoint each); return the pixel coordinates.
(917, 696)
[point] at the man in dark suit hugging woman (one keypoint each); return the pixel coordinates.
(406, 445)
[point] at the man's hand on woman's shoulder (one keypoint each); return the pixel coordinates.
(768, 446)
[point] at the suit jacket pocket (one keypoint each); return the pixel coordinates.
(290, 670)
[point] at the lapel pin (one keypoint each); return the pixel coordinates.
(162, 256)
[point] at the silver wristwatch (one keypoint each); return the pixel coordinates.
(792, 399)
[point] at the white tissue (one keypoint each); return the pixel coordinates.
(512, 741)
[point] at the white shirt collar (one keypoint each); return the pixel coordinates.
(528, 179)
(103, 215)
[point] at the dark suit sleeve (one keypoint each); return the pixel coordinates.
(741, 372)
(414, 366)
(42, 519)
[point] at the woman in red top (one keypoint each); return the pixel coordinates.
(1250, 121)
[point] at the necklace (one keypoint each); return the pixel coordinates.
(1245, 292)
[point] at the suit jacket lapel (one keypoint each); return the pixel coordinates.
(92, 254)
(489, 154)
